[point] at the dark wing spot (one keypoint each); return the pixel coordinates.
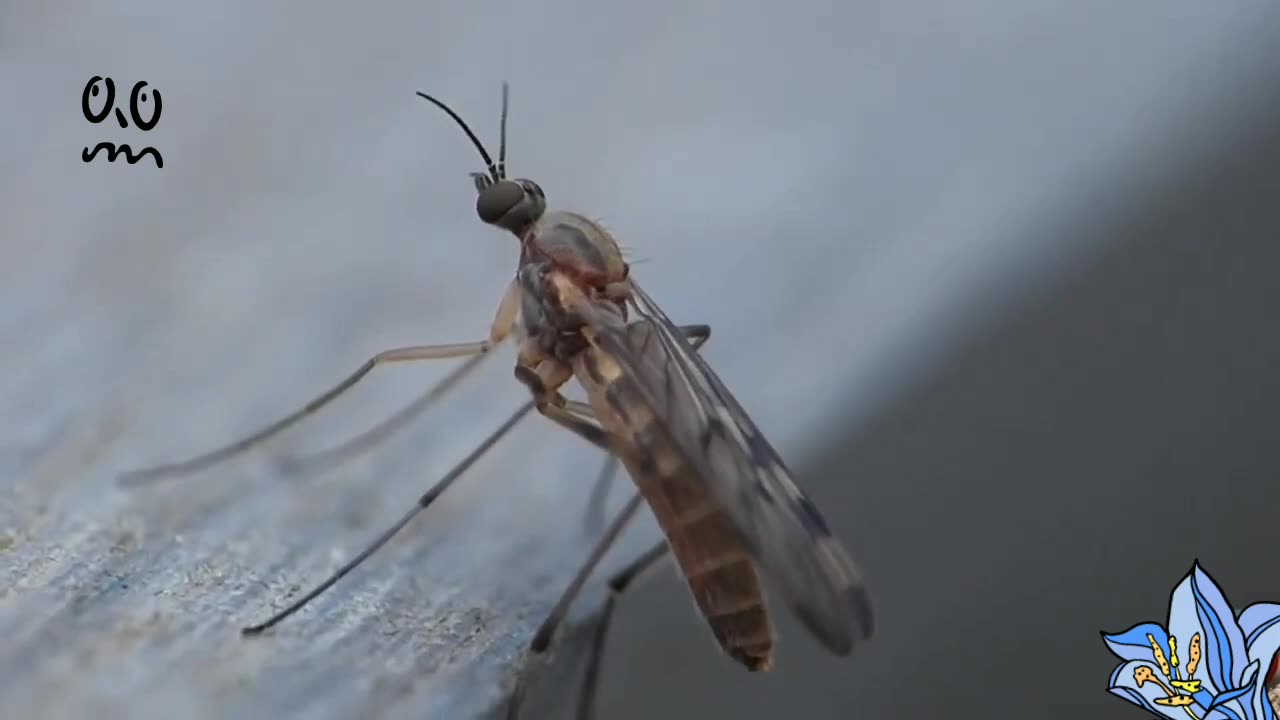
(810, 516)
(839, 642)
(758, 448)
(710, 431)
(860, 601)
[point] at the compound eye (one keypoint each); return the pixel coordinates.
(532, 188)
(497, 200)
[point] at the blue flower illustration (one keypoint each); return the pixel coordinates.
(1207, 665)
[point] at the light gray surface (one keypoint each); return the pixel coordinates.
(873, 182)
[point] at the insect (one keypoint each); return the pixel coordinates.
(729, 509)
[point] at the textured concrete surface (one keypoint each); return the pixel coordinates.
(851, 194)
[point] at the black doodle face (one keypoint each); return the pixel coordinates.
(144, 109)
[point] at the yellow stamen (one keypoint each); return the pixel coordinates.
(1191, 686)
(1175, 701)
(1173, 651)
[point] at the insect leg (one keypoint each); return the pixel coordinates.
(411, 353)
(427, 498)
(600, 495)
(370, 438)
(698, 336)
(575, 420)
(579, 418)
(617, 585)
(542, 638)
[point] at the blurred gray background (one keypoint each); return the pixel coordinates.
(996, 278)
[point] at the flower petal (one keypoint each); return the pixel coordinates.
(1258, 617)
(1198, 602)
(1262, 709)
(1184, 624)
(1219, 622)
(1264, 646)
(1226, 712)
(1232, 699)
(1132, 644)
(1203, 698)
(1262, 649)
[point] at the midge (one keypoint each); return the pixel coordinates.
(725, 501)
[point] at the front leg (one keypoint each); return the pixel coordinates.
(545, 376)
(544, 384)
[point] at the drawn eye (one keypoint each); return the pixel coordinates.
(92, 90)
(139, 99)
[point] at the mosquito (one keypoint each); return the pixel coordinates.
(730, 512)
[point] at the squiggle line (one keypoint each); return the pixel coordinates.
(113, 151)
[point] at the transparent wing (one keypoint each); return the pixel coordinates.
(779, 525)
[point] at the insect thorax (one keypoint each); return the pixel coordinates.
(576, 246)
(567, 259)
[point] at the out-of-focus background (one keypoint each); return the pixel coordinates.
(997, 278)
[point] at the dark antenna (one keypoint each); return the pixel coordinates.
(497, 172)
(502, 137)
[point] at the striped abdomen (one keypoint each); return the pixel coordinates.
(704, 542)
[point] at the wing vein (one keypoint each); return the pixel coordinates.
(779, 526)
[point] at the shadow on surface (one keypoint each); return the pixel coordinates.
(1055, 478)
